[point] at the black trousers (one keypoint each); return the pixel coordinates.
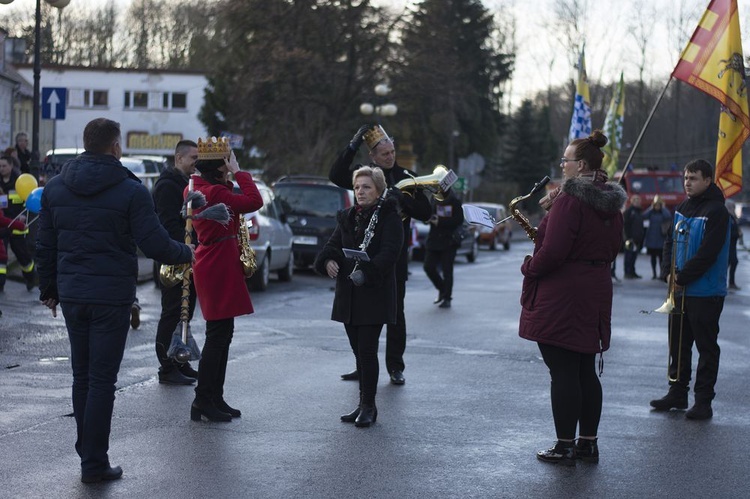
(364, 343)
(97, 336)
(171, 304)
(444, 258)
(212, 368)
(629, 261)
(575, 391)
(395, 335)
(20, 247)
(700, 325)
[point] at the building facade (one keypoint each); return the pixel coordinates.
(155, 108)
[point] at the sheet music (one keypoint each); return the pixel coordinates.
(448, 180)
(478, 216)
(362, 256)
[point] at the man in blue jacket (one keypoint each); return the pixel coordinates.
(93, 215)
(700, 241)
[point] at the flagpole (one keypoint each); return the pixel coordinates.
(643, 130)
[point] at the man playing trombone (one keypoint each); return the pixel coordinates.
(694, 263)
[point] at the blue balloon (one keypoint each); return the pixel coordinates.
(34, 201)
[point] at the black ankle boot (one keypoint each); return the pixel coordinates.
(562, 453)
(351, 417)
(587, 450)
(368, 414)
(224, 407)
(672, 400)
(208, 411)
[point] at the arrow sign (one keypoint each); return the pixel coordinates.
(53, 103)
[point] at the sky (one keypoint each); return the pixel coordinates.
(541, 61)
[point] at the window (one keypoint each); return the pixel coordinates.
(86, 97)
(155, 100)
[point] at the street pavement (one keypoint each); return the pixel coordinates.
(474, 410)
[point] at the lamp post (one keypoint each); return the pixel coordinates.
(380, 108)
(60, 4)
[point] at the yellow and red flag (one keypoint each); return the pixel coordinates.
(713, 63)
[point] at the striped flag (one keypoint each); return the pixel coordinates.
(613, 129)
(713, 63)
(580, 123)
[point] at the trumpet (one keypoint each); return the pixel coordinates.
(681, 236)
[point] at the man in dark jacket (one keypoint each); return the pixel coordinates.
(442, 242)
(24, 155)
(700, 240)
(168, 199)
(383, 155)
(634, 234)
(93, 215)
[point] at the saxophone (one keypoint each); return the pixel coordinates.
(519, 217)
(247, 254)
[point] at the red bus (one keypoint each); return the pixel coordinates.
(668, 185)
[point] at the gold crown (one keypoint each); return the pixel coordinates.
(375, 136)
(213, 148)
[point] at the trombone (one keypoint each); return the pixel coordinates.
(681, 236)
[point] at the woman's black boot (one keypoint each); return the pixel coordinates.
(224, 407)
(368, 414)
(587, 450)
(562, 453)
(208, 411)
(352, 416)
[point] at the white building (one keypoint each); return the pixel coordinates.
(155, 108)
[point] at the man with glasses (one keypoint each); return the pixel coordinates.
(168, 200)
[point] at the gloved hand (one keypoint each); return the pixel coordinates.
(357, 277)
(358, 137)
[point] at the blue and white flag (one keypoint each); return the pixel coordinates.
(580, 123)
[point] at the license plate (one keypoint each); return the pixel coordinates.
(310, 240)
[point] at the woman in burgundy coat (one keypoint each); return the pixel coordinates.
(219, 279)
(567, 294)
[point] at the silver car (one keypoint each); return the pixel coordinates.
(271, 238)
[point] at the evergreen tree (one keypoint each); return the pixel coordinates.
(447, 81)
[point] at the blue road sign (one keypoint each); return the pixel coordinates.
(54, 101)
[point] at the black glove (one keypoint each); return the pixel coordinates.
(358, 137)
(357, 277)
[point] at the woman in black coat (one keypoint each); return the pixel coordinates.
(365, 296)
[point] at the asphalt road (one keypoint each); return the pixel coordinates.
(473, 412)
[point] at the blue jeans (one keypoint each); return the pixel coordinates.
(97, 336)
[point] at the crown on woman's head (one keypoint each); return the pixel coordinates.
(213, 148)
(375, 136)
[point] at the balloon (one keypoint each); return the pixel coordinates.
(25, 183)
(34, 201)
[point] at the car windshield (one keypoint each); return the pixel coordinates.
(321, 201)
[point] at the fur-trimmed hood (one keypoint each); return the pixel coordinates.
(605, 198)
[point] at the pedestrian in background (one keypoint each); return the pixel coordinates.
(15, 239)
(634, 232)
(446, 233)
(24, 154)
(168, 200)
(735, 234)
(94, 215)
(6, 224)
(366, 295)
(701, 255)
(218, 274)
(566, 296)
(659, 224)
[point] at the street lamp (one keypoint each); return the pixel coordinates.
(60, 4)
(379, 108)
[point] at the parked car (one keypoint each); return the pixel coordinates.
(311, 204)
(469, 244)
(271, 239)
(56, 158)
(154, 164)
(499, 235)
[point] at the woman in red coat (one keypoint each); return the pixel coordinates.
(219, 278)
(567, 294)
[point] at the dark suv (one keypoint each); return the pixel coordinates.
(311, 204)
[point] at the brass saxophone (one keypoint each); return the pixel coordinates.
(247, 253)
(519, 217)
